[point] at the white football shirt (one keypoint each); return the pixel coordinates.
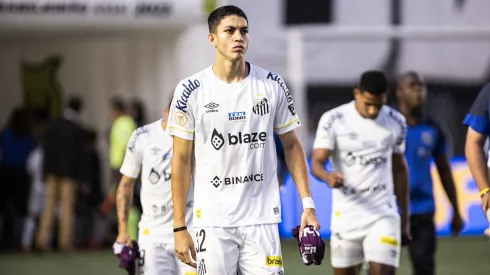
(232, 126)
(362, 150)
(149, 150)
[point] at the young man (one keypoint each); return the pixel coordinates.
(478, 120)
(425, 140)
(226, 114)
(150, 149)
(366, 141)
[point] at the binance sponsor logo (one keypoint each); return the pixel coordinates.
(273, 261)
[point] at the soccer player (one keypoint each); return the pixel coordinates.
(366, 141)
(226, 114)
(150, 149)
(478, 120)
(425, 141)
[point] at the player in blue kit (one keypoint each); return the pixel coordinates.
(425, 142)
(478, 122)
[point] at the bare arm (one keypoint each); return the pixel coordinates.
(296, 162)
(447, 180)
(400, 180)
(318, 162)
(475, 157)
(181, 178)
(124, 201)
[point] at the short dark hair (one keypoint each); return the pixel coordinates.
(118, 104)
(218, 14)
(75, 103)
(373, 82)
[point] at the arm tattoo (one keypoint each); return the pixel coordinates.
(124, 201)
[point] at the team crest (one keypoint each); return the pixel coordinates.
(180, 118)
(261, 106)
(427, 138)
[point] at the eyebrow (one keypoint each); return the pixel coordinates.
(233, 27)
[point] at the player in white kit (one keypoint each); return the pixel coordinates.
(365, 141)
(150, 151)
(226, 114)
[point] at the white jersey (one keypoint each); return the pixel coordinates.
(362, 150)
(235, 157)
(150, 150)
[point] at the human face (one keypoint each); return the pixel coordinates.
(231, 37)
(412, 91)
(369, 105)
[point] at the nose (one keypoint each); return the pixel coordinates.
(373, 111)
(237, 36)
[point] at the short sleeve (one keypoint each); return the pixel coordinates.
(400, 132)
(181, 118)
(133, 157)
(478, 116)
(285, 118)
(325, 134)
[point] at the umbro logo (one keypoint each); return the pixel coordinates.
(216, 181)
(211, 106)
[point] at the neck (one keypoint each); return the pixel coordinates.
(358, 109)
(411, 114)
(164, 123)
(230, 71)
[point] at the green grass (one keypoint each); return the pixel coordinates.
(461, 256)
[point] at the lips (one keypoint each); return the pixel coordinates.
(239, 47)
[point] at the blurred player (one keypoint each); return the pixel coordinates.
(425, 140)
(366, 141)
(150, 149)
(227, 115)
(478, 120)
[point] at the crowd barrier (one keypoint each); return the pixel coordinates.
(469, 203)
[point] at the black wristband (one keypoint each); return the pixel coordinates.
(182, 228)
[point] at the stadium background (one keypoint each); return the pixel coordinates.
(46, 56)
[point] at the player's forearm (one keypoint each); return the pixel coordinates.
(475, 157)
(181, 179)
(297, 165)
(400, 178)
(124, 202)
(318, 170)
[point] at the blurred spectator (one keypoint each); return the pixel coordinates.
(16, 143)
(63, 164)
(90, 194)
(137, 112)
(121, 130)
(37, 195)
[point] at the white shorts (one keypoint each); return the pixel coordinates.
(378, 242)
(159, 259)
(251, 250)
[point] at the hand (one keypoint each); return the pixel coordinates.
(456, 225)
(184, 243)
(308, 218)
(405, 230)
(335, 179)
(485, 200)
(124, 238)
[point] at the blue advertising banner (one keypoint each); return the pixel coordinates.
(469, 203)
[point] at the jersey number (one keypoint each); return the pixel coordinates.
(201, 234)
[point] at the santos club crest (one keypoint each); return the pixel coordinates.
(261, 106)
